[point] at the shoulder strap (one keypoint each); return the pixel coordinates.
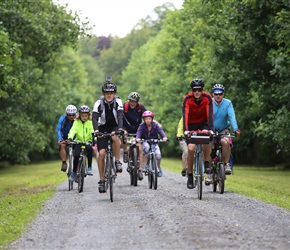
(126, 107)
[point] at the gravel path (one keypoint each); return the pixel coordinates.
(171, 217)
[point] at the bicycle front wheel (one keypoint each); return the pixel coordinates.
(221, 178)
(149, 172)
(81, 174)
(154, 173)
(135, 166)
(111, 178)
(199, 176)
(70, 167)
(214, 178)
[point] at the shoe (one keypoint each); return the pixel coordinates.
(159, 172)
(208, 179)
(190, 184)
(140, 175)
(72, 176)
(144, 169)
(183, 172)
(125, 156)
(63, 167)
(90, 171)
(102, 188)
(128, 170)
(228, 169)
(206, 167)
(118, 165)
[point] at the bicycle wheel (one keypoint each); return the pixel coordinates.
(214, 178)
(111, 178)
(149, 172)
(221, 178)
(154, 172)
(199, 176)
(131, 172)
(70, 168)
(81, 174)
(134, 169)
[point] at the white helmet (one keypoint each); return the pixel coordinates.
(71, 110)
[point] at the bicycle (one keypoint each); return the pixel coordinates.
(134, 161)
(82, 168)
(199, 138)
(152, 165)
(70, 163)
(218, 168)
(110, 169)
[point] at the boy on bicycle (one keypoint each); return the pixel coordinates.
(64, 125)
(133, 111)
(108, 117)
(197, 110)
(82, 130)
(149, 129)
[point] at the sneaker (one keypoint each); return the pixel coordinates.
(63, 167)
(90, 171)
(190, 184)
(125, 156)
(140, 175)
(102, 188)
(72, 176)
(118, 165)
(228, 169)
(208, 179)
(206, 167)
(183, 172)
(159, 172)
(144, 169)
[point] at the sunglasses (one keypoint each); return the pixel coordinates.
(71, 115)
(219, 94)
(196, 90)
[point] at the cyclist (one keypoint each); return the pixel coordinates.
(183, 146)
(197, 110)
(64, 125)
(224, 117)
(149, 129)
(82, 130)
(133, 111)
(108, 117)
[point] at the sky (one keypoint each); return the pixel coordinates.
(114, 17)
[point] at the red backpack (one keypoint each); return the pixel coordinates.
(126, 107)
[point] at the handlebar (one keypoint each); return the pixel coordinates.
(153, 141)
(119, 133)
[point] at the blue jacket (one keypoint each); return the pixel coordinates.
(143, 133)
(224, 115)
(63, 127)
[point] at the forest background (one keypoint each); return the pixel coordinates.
(49, 59)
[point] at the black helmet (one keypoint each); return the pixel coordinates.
(134, 96)
(84, 109)
(197, 83)
(109, 87)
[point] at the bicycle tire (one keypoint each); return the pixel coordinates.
(214, 178)
(221, 178)
(149, 172)
(81, 174)
(131, 172)
(199, 176)
(134, 170)
(69, 171)
(111, 179)
(154, 172)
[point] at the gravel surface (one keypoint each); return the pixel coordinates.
(171, 217)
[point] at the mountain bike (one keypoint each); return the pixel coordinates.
(110, 168)
(82, 168)
(199, 139)
(152, 165)
(218, 168)
(134, 161)
(70, 163)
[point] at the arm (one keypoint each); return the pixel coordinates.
(59, 125)
(180, 132)
(96, 115)
(73, 130)
(120, 113)
(232, 117)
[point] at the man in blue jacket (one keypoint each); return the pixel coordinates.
(224, 118)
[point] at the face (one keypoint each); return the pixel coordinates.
(218, 97)
(132, 104)
(148, 120)
(84, 116)
(109, 96)
(71, 117)
(197, 92)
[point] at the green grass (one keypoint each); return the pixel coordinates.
(264, 183)
(24, 190)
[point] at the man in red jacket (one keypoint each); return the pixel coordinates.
(197, 110)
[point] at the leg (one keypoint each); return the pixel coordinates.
(62, 155)
(101, 163)
(226, 153)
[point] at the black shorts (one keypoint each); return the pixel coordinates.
(102, 143)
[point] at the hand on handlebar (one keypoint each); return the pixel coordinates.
(238, 132)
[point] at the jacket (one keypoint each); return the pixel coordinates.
(144, 133)
(63, 127)
(82, 130)
(133, 117)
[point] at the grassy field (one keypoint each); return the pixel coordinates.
(24, 190)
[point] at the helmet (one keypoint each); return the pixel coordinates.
(148, 113)
(71, 110)
(134, 96)
(109, 87)
(84, 109)
(218, 89)
(197, 83)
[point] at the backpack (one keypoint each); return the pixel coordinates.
(126, 107)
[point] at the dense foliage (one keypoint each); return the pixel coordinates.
(46, 63)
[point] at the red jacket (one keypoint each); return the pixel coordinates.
(196, 114)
